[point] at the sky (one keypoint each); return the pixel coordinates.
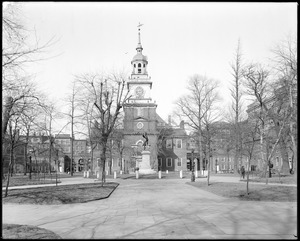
(180, 39)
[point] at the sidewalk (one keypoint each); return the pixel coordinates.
(160, 209)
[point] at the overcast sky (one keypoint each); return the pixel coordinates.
(180, 40)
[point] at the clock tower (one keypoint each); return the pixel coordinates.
(140, 110)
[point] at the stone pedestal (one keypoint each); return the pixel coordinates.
(144, 164)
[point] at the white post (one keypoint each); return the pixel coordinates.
(87, 174)
(84, 174)
(180, 173)
(167, 171)
(98, 175)
(137, 174)
(115, 175)
(196, 174)
(106, 172)
(121, 172)
(159, 174)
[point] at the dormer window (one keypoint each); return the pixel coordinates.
(134, 65)
(139, 65)
(144, 65)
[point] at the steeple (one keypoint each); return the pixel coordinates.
(139, 62)
(139, 47)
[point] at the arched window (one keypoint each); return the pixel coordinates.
(139, 65)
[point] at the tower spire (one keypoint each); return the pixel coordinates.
(139, 47)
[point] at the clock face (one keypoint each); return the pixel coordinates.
(139, 91)
(139, 125)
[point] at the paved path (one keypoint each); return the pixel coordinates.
(161, 209)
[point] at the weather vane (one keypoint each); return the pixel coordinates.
(140, 25)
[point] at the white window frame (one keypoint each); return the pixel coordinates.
(169, 141)
(179, 160)
(167, 160)
(180, 141)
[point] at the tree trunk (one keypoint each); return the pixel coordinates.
(9, 170)
(285, 158)
(248, 175)
(102, 161)
(208, 167)
(200, 150)
(50, 145)
(8, 106)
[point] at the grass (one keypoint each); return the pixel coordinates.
(15, 231)
(21, 179)
(291, 179)
(78, 193)
(256, 192)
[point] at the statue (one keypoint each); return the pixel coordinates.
(146, 140)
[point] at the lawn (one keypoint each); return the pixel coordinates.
(65, 194)
(291, 179)
(15, 231)
(20, 180)
(257, 192)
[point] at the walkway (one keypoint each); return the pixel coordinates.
(161, 209)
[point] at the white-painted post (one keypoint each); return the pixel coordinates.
(98, 175)
(106, 172)
(196, 174)
(180, 173)
(121, 172)
(87, 174)
(115, 175)
(84, 174)
(167, 171)
(159, 174)
(137, 174)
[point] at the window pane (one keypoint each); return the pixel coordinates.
(169, 162)
(179, 162)
(169, 143)
(179, 143)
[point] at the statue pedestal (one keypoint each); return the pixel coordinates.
(144, 164)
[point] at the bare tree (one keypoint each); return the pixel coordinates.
(250, 140)
(109, 96)
(236, 94)
(193, 106)
(74, 115)
(50, 115)
(17, 87)
(211, 116)
(17, 51)
(14, 142)
(259, 86)
(28, 119)
(285, 65)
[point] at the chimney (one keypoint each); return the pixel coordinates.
(182, 124)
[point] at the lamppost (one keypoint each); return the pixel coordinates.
(193, 165)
